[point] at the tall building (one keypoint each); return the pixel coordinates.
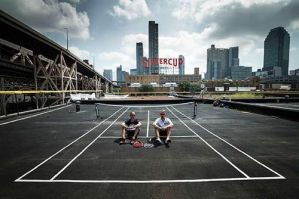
(181, 65)
(108, 74)
(145, 66)
(217, 63)
(133, 71)
(276, 51)
(153, 46)
(139, 56)
(233, 59)
(241, 72)
(196, 71)
(119, 75)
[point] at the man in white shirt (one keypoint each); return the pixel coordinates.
(163, 127)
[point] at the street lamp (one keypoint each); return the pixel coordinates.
(67, 38)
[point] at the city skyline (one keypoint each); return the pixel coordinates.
(106, 33)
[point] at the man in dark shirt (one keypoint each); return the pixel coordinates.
(130, 128)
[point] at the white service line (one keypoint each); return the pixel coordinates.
(68, 164)
(231, 145)
(147, 127)
(242, 172)
(66, 146)
(24, 118)
(150, 181)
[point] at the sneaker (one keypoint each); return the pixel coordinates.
(122, 141)
(168, 141)
(158, 140)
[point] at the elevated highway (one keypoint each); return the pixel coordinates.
(31, 62)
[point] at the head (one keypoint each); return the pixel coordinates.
(163, 114)
(132, 115)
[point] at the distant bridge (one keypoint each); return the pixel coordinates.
(38, 70)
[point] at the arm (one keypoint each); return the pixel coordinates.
(138, 125)
(155, 124)
(124, 125)
(170, 125)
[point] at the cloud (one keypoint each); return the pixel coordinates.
(129, 43)
(82, 54)
(240, 17)
(131, 9)
(110, 60)
(50, 16)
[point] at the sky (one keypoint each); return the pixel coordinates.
(106, 32)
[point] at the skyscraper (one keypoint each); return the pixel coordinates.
(233, 59)
(108, 74)
(196, 71)
(217, 63)
(276, 52)
(139, 56)
(119, 75)
(153, 46)
(181, 65)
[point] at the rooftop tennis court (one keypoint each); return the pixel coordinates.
(220, 153)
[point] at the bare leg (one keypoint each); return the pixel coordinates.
(157, 132)
(123, 132)
(168, 133)
(136, 133)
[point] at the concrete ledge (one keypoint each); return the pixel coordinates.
(286, 113)
(268, 100)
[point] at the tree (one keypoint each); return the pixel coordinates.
(146, 88)
(184, 86)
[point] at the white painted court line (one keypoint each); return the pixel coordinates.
(242, 172)
(173, 136)
(68, 164)
(147, 127)
(31, 116)
(66, 146)
(231, 145)
(150, 181)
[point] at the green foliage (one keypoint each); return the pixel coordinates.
(146, 88)
(195, 88)
(184, 86)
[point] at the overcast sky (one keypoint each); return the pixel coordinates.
(106, 31)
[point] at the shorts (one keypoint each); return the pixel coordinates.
(163, 132)
(130, 133)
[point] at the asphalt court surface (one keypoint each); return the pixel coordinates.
(222, 153)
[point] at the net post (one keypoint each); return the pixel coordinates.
(194, 109)
(97, 110)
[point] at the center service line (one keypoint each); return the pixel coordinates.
(210, 146)
(231, 145)
(66, 147)
(68, 164)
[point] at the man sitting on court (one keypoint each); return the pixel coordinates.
(163, 127)
(130, 128)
